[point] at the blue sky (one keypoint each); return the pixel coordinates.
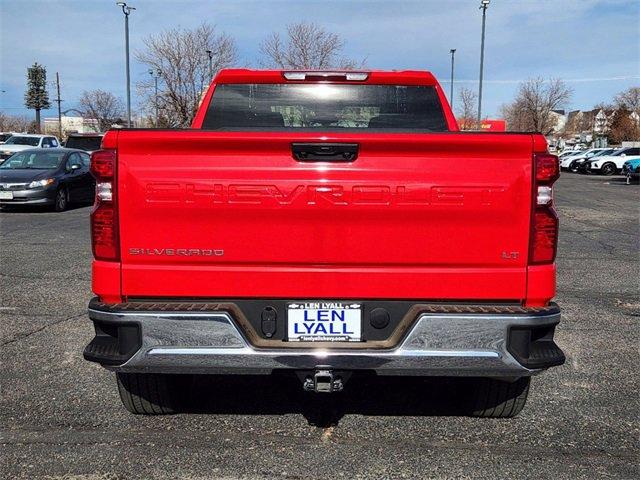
(593, 44)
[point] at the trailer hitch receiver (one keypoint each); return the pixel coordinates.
(323, 381)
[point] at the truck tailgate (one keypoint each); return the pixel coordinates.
(430, 216)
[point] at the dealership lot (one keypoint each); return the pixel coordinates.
(60, 416)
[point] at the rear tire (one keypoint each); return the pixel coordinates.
(498, 398)
(148, 393)
(608, 169)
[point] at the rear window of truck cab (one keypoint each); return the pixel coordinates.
(326, 107)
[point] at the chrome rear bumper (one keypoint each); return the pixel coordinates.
(436, 345)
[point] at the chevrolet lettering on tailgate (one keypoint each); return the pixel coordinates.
(380, 195)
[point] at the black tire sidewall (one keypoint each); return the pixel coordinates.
(150, 393)
(608, 169)
(494, 398)
(61, 194)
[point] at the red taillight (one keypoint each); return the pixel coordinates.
(104, 218)
(544, 221)
(103, 164)
(547, 168)
(544, 236)
(104, 233)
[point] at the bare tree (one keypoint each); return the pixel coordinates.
(531, 109)
(467, 107)
(181, 58)
(306, 46)
(515, 117)
(102, 106)
(629, 100)
(603, 106)
(11, 123)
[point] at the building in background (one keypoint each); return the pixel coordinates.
(70, 125)
(587, 128)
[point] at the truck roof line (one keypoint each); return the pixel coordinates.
(401, 77)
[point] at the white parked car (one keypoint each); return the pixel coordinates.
(581, 164)
(610, 164)
(570, 162)
(569, 153)
(23, 141)
(4, 136)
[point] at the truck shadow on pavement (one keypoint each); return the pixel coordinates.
(366, 395)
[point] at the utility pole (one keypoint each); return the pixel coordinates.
(484, 4)
(453, 52)
(59, 101)
(127, 11)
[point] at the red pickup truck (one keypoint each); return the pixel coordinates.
(325, 224)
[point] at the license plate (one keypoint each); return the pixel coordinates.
(6, 195)
(324, 322)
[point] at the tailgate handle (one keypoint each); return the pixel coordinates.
(324, 152)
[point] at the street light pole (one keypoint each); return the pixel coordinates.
(484, 4)
(155, 74)
(127, 11)
(453, 52)
(210, 55)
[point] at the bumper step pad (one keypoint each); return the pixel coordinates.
(114, 343)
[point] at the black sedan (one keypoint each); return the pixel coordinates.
(53, 176)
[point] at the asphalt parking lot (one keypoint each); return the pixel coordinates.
(61, 417)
